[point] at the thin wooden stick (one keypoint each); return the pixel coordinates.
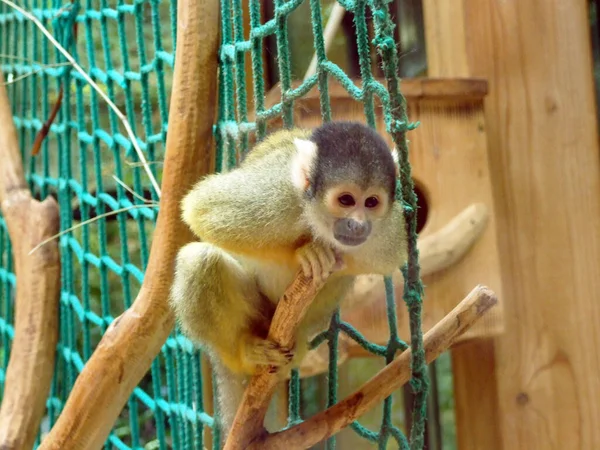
(248, 423)
(390, 378)
(335, 18)
(32, 355)
(133, 340)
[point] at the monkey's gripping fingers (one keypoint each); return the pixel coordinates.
(263, 352)
(317, 260)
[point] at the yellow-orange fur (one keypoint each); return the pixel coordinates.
(255, 228)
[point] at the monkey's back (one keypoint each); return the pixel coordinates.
(252, 207)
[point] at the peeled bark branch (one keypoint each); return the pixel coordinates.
(32, 355)
(133, 340)
(383, 384)
(248, 423)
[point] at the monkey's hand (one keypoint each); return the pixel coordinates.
(318, 260)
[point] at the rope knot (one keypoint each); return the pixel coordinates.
(384, 43)
(402, 126)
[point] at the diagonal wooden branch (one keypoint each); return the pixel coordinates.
(31, 365)
(248, 423)
(384, 383)
(133, 340)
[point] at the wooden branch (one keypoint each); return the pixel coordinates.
(133, 340)
(390, 378)
(333, 24)
(32, 356)
(248, 423)
(446, 246)
(11, 169)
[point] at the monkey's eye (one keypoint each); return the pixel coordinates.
(371, 202)
(346, 200)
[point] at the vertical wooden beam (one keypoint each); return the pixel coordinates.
(544, 146)
(445, 40)
(475, 389)
(543, 137)
(474, 376)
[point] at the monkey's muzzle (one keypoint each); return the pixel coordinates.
(351, 232)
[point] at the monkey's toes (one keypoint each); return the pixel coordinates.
(266, 352)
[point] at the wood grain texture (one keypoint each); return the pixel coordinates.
(542, 127)
(474, 377)
(475, 389)
(32, 355)
(437, 340)
(132, 341)
(248, 424)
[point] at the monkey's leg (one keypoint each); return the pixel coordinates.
(218, 305)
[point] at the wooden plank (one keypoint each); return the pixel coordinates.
(477, 422)
(445, 38)
(412, 88)
(543, 137)
(475, 389)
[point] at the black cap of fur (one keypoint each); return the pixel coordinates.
(351, 152)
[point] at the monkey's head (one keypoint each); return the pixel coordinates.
(347, 176)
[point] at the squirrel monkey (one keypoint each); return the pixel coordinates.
(319, 200)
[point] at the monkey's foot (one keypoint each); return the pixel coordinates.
(317, 260)
(263, 352)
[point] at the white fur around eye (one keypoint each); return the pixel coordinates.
(302, 162)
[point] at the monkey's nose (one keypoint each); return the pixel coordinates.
(351, 232)
(356, 228)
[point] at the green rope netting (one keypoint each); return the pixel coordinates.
(127, 48)
(233, 129)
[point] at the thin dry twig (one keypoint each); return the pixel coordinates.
(100, 92)
(93, 219)
(33, 72)
(131, 191)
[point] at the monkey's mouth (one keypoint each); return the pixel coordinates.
(351, 241)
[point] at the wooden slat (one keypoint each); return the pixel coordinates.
(412, 89)
(474, 376)
(543, 137)
(476, 400)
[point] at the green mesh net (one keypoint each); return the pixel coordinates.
(128, 50)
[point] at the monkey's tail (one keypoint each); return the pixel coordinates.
(230, 391)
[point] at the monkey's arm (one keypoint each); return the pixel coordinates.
(246, 212)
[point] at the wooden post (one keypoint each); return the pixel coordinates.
(475, 390)
(543, 137)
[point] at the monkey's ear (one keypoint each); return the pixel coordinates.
(302, 163)
(396, 160)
